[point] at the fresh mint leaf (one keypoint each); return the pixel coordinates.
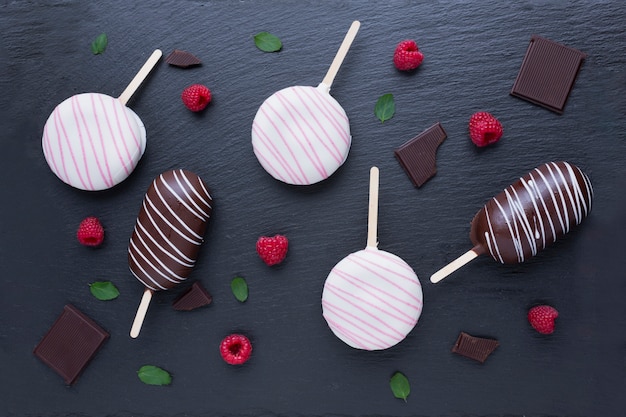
(153, 375)
(100, 44)
(104, 290)
(385, 107)
(267, 42)
(240, 288)
(400, 386)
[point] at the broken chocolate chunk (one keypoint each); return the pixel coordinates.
(473, 347)
(195, 297)
(72, 341)
(547, 73)
(417, 156)
(182, 59)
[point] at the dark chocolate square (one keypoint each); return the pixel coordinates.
(72, 341)
(417, 156)
(547, 74)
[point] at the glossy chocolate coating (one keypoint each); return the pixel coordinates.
(532, 213)
(169, 230)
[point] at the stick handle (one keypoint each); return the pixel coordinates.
(141, 313)
(454, 265)
(372, 213)
(140, 77)
(341, 54)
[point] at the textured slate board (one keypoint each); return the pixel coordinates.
(473, 52)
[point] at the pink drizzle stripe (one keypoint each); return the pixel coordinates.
(47, 151)
(362, 263)
(92, 141)
(59, 135)
(101, 136)
(323, 106)
(298, 120)
(271, 148)
(357, 302)
(70, 148)
(125, 163)
(78, 116)
(341, 317)
(351, 337)
(120, 121)
(376, 292)
(315, 113)
(291, 138)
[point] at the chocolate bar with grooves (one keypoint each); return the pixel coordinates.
(547, 74)
(69, 345)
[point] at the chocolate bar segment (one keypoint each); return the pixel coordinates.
(473, 347)
(195, 297)
(417, 156)
(547, 74)
(69, 345)
(182, 59)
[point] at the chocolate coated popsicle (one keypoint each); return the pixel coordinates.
(528, 216)
(168, 234)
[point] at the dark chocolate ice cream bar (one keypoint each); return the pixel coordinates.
(473, 347)
(417, 156)
(69, 345)
(170, 229)
(194, 297)
(547, 73)
(182, 59)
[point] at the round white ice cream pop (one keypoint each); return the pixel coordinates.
(300, 134)
(92, 141)
(372, 299)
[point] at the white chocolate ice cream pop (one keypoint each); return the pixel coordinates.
(372, 299)
(301, 134)
(92, 141)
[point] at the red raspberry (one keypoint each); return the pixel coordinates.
(90, 232)
(484, 129)
(196, 97)
(272, 249)
(542, 318)
(235, 349)
(407, 56)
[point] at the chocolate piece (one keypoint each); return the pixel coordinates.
(196, 296)
(182, 59)
(72, 341)
(547, 74)
(473, 347)
(169, 230)
(532, 213)
(417, 156)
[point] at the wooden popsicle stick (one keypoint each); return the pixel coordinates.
(454, 265)
(140, 77)
(141, 313)
(372, 213)
(341, 54)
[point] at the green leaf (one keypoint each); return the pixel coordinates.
(104, 290)
(267, 42)
(100, 44)
(153, 375)
(240, 288)
(400, 386)
(385, 107)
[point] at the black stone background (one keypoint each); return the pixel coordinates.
(473, 51)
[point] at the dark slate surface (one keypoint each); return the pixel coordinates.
(473, 52)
